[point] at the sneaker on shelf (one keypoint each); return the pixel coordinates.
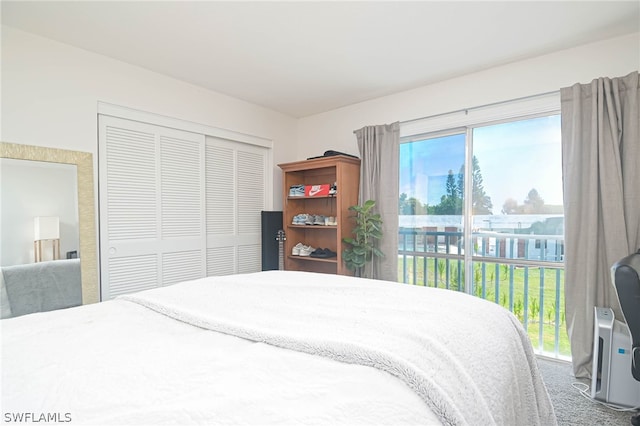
(331, 221)
(323, 253)
(319, 220)
(300, 219)
(318, 253)
(306, 250)
(296, 191)
(333, 189)
(297, 249)
(310, 219)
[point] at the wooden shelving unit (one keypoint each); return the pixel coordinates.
(345, 172)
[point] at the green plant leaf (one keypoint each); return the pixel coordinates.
(377, 252)
(366, 231)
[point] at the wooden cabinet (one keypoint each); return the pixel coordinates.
(342, 170)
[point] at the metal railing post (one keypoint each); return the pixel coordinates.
(509, 257)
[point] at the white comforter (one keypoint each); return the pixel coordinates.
(467, 361)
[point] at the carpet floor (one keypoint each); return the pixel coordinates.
(570, 406)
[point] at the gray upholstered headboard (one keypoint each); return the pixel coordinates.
(40, 287)
(5, 307)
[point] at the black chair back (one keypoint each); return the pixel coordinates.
(626, 277)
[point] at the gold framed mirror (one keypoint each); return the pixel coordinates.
(86, 205)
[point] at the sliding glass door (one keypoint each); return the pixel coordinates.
(481, 211)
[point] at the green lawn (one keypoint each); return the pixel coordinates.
(493, 281)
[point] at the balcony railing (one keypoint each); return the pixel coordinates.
(523, 273)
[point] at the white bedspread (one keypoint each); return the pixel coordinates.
(468, 361)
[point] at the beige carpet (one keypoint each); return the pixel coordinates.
(570, 406)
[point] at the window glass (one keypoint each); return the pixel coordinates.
(517, 186)
(431, 189)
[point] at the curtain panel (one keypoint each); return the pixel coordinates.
(379, 152)
(601, 183)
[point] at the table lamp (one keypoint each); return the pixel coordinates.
(46, 230)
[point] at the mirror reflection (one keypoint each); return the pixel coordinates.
(39, 248)
(30, 190)
(49, 233)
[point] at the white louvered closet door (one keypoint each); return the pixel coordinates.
(152, 203)
(236, 194)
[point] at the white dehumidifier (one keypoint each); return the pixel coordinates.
(612, 381)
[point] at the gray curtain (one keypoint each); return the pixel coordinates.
(379, 151)
(601, 179)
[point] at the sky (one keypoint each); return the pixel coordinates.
(514, 157)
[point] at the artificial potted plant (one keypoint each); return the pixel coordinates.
(362, 247)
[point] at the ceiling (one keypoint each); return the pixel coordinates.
(302, 58)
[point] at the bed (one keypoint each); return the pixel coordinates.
(275, 347)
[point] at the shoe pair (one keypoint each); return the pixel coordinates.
(300, 219)
(323, 253)
(321, 220)
(302, 250)
(296, 191)
(313, 219)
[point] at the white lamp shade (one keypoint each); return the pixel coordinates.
(46, 228)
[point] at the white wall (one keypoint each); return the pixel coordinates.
(334, 129)
(50, 95)
(30, 189)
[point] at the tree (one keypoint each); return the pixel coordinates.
(451, 202)
(533, 204)
(510, 206)
(411, 206)
(452, 189)
(481, 201)
(461, 182)
(402, 204)
(418, 206)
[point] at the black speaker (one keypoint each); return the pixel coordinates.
(271, 224)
